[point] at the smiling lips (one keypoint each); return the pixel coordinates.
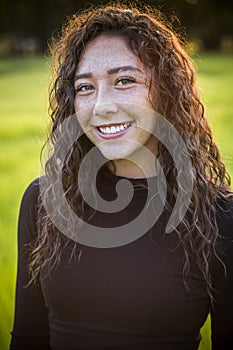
(112, 131)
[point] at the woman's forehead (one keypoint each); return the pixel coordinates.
(106, 52)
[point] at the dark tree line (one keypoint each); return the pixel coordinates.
(208, 20)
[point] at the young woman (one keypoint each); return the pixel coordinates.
(122, 279)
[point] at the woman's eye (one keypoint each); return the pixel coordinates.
(84, 88)
(125, 81)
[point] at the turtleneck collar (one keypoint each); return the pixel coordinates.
(106, 176)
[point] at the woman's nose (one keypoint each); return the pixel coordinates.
(105, 104)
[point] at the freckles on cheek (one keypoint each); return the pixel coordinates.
(83, 117)
(81, 104)
(76, 104)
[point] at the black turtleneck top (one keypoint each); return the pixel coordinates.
(130, 297)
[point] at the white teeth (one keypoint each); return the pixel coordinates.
(114, 129)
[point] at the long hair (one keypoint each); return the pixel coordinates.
(160, 49)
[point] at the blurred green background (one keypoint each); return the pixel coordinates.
(23, 90)
(24, 79)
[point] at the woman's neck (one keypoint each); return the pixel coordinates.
(141, 164)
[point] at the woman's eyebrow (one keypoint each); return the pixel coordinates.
(124, 68)
(110, 71)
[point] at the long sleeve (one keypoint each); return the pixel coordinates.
(30, 330)
(222, 313)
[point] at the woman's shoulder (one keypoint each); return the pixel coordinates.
(225, 222)
(31, 193)
(28, 214)
(30, 201)
(225, 215)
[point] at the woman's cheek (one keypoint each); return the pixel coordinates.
(81, 100)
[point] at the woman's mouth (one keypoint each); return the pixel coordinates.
(111, 131)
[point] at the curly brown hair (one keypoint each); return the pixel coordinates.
(160, 49)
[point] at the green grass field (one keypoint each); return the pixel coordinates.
(23, 113)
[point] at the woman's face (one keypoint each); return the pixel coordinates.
(111, 85)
